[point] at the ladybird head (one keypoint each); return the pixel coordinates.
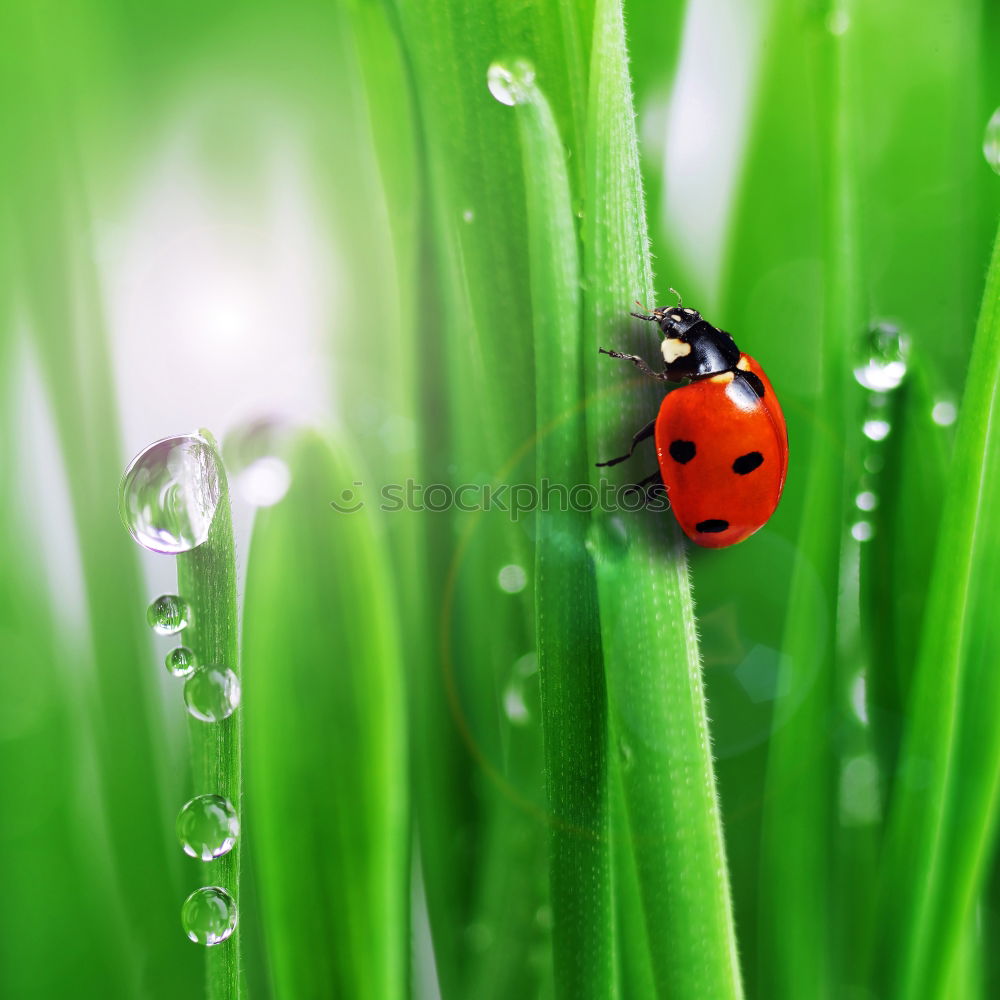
(676, 323)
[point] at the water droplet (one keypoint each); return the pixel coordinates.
(885, 350)
(527, 665)
(626, 754)
(874, 463)
(168, 614)
(255, 454)
(478, 936)
(207, 827)
(511, 83)
(212, 693)
(837, 22)
(468, 215)
(944, 413)
(877, 430)
(514, 705)
(859, 697)
(512, 579)
(169, 494)
(181, 661)
(991, 141)
(862, 531)
(866, 500)
(209, 915)
(859, 791)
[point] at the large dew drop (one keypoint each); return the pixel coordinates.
(207, 827)
(212, 693)
(511, 83)
(169, 494)
(209, 915)
(168, 614)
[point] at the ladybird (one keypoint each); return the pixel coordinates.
(720, 437)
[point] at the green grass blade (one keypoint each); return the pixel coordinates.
(206, 577)
(943, 812)
(658, 727)
(326, 737)
(568, 634)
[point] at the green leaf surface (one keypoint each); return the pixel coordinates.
(326, 738)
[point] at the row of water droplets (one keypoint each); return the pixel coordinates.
(169, 496)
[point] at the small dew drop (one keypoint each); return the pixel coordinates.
(859, 791)
(991, 141)
(866, 500)
(181, 661)
(255, 454)
(168, 614)
(626, 753)
(862, 531)
(512, 579)
(468, 216)
(874, 463)
(207, 827)
(526, 665)
(885, 351)
(209, 915)
(212, 693)
(877, 430)
(514, 705)
(169, 494)
(837, 22)
(511, 84)
(944, 413)
(859, 697)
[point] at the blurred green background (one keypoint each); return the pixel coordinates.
(373, 242)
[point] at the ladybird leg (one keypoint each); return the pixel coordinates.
(652, 487)
(639, 363)
(637, 438)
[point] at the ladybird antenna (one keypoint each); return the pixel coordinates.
(680, 301)
(648, 319)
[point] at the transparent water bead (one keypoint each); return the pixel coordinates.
(512, 578)
(181, 661)
(207, 827)
(991, 141)
(169, 494)
(255, 456)
(885, 351)
(212, 693)
(511, 83)
(168, 614)
(209, 915)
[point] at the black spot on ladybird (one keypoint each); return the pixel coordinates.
(748, 462)
(711, 527)
(682, 451)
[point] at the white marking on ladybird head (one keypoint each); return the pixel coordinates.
(690, 312)
(673, 349)
(676, 317)
(743, 364)
(724, 379)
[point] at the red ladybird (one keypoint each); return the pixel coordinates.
(721, 438)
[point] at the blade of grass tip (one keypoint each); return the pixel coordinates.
(206, 578)
(943, 811)
(567, 630)
(657, 721)
(326, 749)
